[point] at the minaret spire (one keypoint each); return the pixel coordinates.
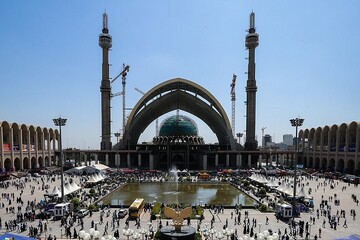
(252, 21)
(105, 42)
(104, 21)
(252, 41)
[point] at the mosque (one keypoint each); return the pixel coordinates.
(178, 143)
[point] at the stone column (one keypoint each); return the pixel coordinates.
(106, 159)
(49, 149)
(117, 160)
(249, 160)
(11, 141)
(151, 162)
(336, 163)
(2, 148)
(139, 160)
(128, 160)
(37, 149)
(21, 150)
(216, 160)
(43, 145)
(97, 159)
(204, 162)
(227, 160)
(240, 160)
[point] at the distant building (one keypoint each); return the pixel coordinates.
(288, 139)
(267, 139)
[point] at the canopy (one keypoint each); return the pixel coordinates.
(272, 183)
(15, 236)
(351, 237)
(55, 192)
(303, 194)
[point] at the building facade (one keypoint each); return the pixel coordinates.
(331, 148)
(26, 146)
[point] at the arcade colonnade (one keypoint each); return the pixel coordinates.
(334, 148)
(26, 146)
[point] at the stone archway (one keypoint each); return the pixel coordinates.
(350, 166)
(332, 165)
(47, 162)
(180, 94)
(26, 163)
(311, 162)
(17, 164)
(340, 166)
(317, 163)
(324, 164)
(41, 162)
(33, 163)
(305, 162)
(8, 165)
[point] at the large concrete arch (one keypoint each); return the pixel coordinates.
(178, 93)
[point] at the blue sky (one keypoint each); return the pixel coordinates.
(307, 62)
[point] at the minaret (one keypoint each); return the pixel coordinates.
(252, 41)
(105, 88)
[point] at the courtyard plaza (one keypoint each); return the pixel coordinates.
(322, 189)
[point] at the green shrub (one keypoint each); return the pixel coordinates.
(156, 208)
(262, 208)
(92, 191)
(76, 202)
(93, 208)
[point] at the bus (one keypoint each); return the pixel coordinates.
(136, 208)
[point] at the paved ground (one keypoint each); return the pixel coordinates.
(324, 191)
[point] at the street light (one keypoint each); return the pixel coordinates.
(297, 122)
(117, 135)
(61, 122)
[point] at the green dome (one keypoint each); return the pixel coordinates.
(178, 125)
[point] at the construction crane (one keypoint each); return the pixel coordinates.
(123, 74)
(263, 140)
(233, 98)
(157, 119)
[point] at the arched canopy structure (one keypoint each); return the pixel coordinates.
(181, 94)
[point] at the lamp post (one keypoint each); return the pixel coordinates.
(61, 122)
(117, 135)
(296, 122)
(239, 135)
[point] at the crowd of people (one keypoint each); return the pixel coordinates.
(23, 198)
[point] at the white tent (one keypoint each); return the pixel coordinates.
(272, 183)
(254, 177)
(281, 187)
(74, 186)
(77, 170)
(303, 194)
(91, 179)
(55, 192)
(95, 178)
(262, 179)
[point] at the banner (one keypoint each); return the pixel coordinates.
(6, 147)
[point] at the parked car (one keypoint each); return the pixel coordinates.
(122, 213)
(82, 213)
